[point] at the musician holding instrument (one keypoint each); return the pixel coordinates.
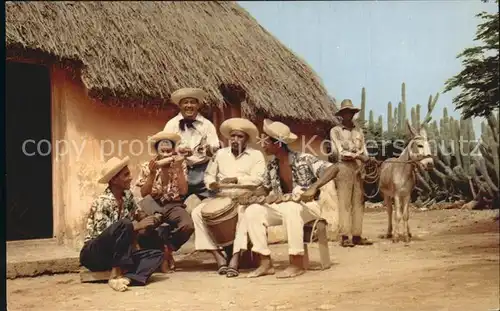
(349, 142)
(199, 138)
(164, 178)
(111, 228)
(293, 180)
(237, 164)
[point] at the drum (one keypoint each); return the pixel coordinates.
(221, 217)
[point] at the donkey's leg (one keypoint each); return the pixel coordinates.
(397, 219)
(406, 217)
(388, 206)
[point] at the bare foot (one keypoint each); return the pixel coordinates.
(261, 271)
(165, 267)
(119, 284)
(290, 272)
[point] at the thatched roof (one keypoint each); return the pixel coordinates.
(147, 50)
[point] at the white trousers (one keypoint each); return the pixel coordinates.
(202, 238)
(290, 214)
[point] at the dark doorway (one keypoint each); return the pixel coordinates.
(29, 170)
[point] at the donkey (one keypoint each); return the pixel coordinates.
(397, 180)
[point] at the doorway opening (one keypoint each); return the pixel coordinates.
(29, 208)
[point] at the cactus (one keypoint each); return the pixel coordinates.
(363, 105)
(413, 114)
(459, 173)
(390, 121)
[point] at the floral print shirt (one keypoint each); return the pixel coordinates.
(165, 192)
(306, 170)
(104, 212)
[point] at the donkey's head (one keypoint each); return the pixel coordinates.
(419, 148)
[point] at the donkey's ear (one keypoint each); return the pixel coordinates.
(413, 132)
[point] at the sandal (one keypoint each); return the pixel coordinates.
(232, 273)
(346, 243)
(222, 270)
(356, 240)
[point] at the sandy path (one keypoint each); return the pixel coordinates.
(452, 265)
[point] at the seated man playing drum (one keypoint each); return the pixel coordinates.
(111, 231)
(288, 172)
(164, 178)
(237, 164)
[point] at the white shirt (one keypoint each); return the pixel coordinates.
(192, 137)
(249, 167)
(348, 142)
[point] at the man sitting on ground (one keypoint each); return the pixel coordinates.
(236, 164)
(288, 172)
(167, 185)
(111, 231)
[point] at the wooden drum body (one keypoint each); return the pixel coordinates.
(221, 217)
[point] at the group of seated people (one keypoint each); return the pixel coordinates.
(132, 244)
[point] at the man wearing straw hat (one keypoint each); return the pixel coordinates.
(198, 136)
(164, 179)
(111, 230)
(237, 164)
(349, 142)
(288, 172)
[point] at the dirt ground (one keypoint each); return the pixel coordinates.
(452, 264)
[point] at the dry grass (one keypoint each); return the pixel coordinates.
(150, 49)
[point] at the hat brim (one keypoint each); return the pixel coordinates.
(163, 136)
(287, 140)
(179, 95)
(114, 170)
(356, 110)
(239, 124)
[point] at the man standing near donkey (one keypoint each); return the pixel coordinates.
(349, 142)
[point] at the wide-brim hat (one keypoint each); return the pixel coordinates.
(112, 167)
(180, 94)
(279, 131)
(346, 104)
(163, 135)
(239, 124)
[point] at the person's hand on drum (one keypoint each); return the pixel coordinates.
(229, 180)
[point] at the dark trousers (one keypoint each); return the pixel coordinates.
(196, 183)
(113, 248)
(179, 229)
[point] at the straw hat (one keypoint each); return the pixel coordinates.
(111, 168)
(239, 124)
(180, 94)
(279, 131)
(346, 104)
(163, 135)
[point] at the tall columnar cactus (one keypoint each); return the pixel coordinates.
(380, 125)
(362, 116)
(403, 106)
(401, 117)
(371, 121)
(413, 113)
(390, 121)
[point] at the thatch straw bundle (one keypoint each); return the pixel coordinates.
(150, 49)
